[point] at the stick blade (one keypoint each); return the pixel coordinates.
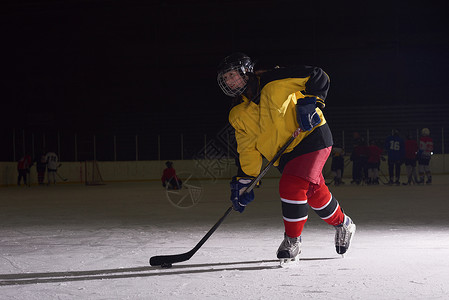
(169, 259)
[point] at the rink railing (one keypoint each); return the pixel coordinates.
(142, 147)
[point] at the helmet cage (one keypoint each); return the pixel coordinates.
(425, 132)
(239, 63)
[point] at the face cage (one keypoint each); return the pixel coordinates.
(232, 92)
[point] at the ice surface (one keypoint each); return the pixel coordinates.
(93, 242)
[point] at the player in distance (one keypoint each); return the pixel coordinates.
(424, 154)
(169, 178)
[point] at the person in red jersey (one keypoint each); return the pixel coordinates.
(424, 154)
(23, 168)
(169, 178)
(374, 157)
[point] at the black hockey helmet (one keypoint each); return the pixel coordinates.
(169, 164)
(239, 62)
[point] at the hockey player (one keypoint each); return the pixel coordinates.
(374, 158)
(52, 167)
(395, 147)
(169, 177)
(359, 157)
(23, 168)
(271, 105)
(424, 154)
(41, 167)
(411, 150)
(338, 164)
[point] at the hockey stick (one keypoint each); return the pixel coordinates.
(166, 261)
(63, 179)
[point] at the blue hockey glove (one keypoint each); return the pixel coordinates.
(239, 198)
(306, 114)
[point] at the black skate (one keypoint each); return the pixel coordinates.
(289, 249)
(343, 235)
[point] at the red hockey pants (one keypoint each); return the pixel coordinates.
(302, 185)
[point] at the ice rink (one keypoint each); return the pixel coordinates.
(72, 241)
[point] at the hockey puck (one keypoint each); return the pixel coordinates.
(166, 265)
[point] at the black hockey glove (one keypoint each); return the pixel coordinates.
(239, 197)
(306, 113)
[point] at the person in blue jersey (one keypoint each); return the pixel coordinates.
(395, 147)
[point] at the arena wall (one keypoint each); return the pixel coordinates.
(121, 171)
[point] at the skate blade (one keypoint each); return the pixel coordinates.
(352, 229)
(288, 262)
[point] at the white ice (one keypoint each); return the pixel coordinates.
(93, 242)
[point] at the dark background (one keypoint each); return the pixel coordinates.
(149, 67)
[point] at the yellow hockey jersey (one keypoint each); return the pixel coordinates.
(263, 126)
